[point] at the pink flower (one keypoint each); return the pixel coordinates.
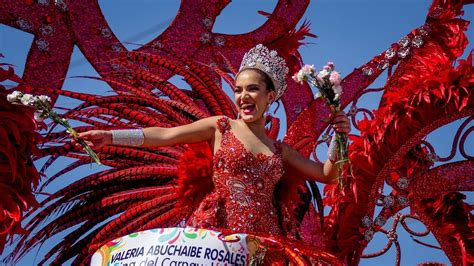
(299, 77)
(337, 92)
(335, 78)
(331, 65)
(39, 116)
(295, 77)
(308, 69)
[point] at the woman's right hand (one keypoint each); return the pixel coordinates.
(96, 138)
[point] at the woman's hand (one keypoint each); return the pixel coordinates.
(341, 123)
(96, 138)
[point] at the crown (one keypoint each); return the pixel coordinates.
(261, 58)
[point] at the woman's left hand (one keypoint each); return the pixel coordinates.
(341, 123)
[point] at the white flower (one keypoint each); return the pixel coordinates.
(39, 117)
(27, 99)
(337, 96)
(44, 98)
(322, 74)
(301, 76)
(11, 98)
(17, 94)
(14, 96)
(35, 99)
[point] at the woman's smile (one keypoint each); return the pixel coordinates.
(247, 108)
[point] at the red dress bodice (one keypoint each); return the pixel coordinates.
(243, 197)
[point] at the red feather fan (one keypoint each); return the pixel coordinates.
(195, 175)
(18, 176)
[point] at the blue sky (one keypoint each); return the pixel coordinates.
(349, 33)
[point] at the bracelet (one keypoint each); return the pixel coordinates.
(332, 149)
(128, 137)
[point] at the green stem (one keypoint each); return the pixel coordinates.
(341, 141)
(56, 118)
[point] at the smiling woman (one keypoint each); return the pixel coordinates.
(254, 93)
(197, 158)
(247, 164)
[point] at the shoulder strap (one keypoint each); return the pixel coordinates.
(223, 124)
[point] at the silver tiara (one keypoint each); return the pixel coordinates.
(261, 58)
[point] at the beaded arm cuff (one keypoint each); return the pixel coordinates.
(128, 137)
(332, 149)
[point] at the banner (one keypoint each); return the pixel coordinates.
(175, 246)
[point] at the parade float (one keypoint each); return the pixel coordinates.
(152, 191)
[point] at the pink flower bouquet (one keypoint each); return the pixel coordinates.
(328, 83)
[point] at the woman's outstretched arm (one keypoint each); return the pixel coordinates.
(316, 171)
(201, 130)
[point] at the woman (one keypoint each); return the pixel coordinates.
(247, 164)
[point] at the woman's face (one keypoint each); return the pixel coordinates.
(251, 95)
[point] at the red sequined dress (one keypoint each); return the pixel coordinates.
(242, 200)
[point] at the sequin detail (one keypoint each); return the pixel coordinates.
(128, 137)
(244, 183)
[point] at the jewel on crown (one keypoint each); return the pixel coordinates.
(261, 58)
